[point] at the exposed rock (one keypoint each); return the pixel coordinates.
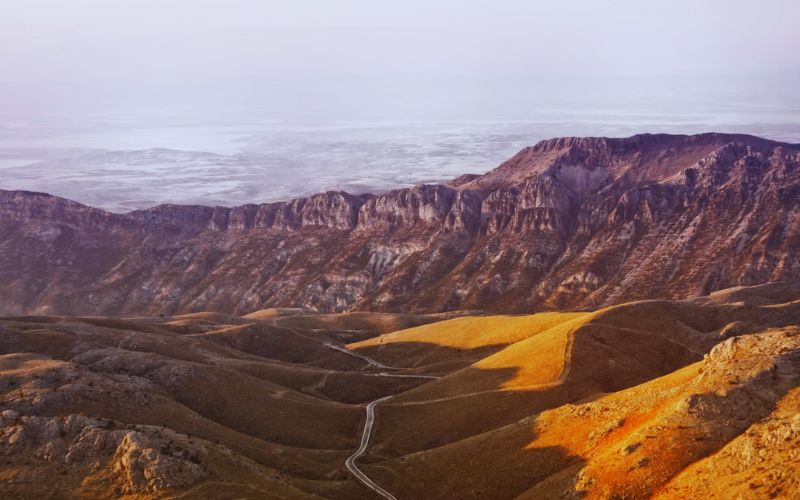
(143, 464)
(570, 222)
(425, 206)
(146, 470)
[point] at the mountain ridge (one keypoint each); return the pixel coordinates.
(552, 227)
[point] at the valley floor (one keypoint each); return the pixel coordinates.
(671, 399)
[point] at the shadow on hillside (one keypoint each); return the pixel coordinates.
(466, 446)
(499, 464)
(469, 433)
(490, 460)
(600, 359)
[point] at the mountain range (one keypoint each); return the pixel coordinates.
(569, 223)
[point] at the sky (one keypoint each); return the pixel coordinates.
(311, 60)
(124, 104)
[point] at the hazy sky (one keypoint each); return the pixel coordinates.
(296, 59)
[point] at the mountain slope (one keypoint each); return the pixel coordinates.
(568, 223)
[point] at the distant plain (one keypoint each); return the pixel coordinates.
(126, 161)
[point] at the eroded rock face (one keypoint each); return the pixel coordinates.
(570, 223)
(425, 206)
(147, 470)
(141, 463)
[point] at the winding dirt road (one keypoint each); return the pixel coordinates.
(369, 423)
(350, 463)
(359, 356)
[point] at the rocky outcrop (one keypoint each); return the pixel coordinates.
(140, 463)
(424, 206)
(146, 469)
(570, 222)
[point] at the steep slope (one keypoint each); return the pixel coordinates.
(569, 223)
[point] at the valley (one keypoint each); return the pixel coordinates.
(448, 250)
(650, 398)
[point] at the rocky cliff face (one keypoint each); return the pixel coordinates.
(568, 223)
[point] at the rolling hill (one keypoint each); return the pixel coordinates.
(656, 398)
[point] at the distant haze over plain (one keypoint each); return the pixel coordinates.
(315, 94)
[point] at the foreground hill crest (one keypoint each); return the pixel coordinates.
(570, 222)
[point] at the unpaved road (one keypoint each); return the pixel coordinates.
(350, 463)
(360, 356)
(377, 364)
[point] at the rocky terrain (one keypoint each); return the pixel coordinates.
(669, 399)
(568, 223)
